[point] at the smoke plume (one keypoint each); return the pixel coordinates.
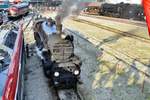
(69, 7)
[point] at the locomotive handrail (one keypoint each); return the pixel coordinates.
(10, 89)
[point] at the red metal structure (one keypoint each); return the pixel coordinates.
(146, 5)
(15, 1)
(11, 87)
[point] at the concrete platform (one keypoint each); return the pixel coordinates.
(107, 78)
(36, 84)
(120, 25)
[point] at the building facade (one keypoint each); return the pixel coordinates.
(88, 0)
(115, 1)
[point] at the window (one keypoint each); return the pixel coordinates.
(4, 60)
(10, 39)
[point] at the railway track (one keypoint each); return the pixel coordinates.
(70, 94)
(127, 21)
(115, 53)
(117, 31)
(67, 94)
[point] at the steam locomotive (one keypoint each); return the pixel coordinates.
(17, 10)
(122, 10)
(56, 49)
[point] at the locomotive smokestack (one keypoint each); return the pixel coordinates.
(58, 24)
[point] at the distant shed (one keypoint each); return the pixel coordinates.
(92, 8)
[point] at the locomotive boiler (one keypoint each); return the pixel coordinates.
(56, 50)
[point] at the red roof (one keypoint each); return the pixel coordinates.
(90, 4)
(94, 4)
(84, 4)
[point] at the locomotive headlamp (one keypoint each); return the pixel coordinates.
(63, 36)
(56, 74)
(76, 72)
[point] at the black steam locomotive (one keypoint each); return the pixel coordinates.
(122, 10)
(56, 50)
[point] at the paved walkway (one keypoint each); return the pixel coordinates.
(36, 84)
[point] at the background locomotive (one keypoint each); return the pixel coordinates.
(120, 10)
(60, 63)
(17, 10)
(123, 10)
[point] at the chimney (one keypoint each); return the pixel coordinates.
(58, 24)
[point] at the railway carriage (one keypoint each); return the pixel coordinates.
(4, 5)
(1, 19)
(12, 61)
(17, 10)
